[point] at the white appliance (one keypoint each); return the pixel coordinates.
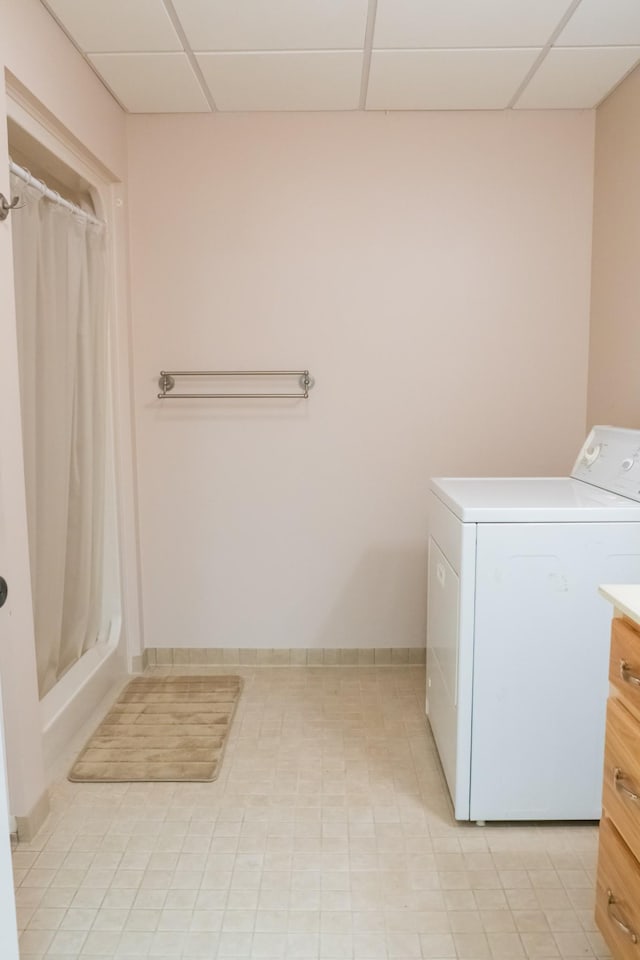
(517, 635)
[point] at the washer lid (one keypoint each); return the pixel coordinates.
(532, 500)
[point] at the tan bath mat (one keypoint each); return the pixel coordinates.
(162, 728)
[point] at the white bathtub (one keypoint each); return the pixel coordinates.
(71, 702)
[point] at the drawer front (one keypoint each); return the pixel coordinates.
(618, 894)
(621, 790)
(624, 666)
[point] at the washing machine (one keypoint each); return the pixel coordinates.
(517, 635)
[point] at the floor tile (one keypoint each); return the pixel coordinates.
(328, 835)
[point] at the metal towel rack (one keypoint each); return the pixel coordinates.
(167, 382)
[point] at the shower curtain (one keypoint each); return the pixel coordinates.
(59, 268)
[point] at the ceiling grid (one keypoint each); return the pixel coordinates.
(183, 56)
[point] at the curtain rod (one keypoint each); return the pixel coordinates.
(53, 195)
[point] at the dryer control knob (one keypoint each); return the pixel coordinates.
(591, 454)
(628, 463)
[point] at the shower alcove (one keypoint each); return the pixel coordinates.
(79, 405)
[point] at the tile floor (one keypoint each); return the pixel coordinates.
(328, 835)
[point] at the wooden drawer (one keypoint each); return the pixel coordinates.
(618, 894)
(621, 790)
(624, 665)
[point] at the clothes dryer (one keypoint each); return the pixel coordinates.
(517, 635)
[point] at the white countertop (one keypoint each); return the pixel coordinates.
(625, 597)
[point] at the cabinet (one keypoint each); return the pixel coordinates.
(618, 877)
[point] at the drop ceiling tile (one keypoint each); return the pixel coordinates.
(152, 82)
(603, 23)
(103, 26)
(577, 77)
(446, 79)
(402, 24)
(312, 80)
(213, 25)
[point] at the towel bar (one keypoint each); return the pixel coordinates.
(167, 383)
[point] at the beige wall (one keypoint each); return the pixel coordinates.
(38, 54)
(431, 270)
(37, 58)
(614, 391)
